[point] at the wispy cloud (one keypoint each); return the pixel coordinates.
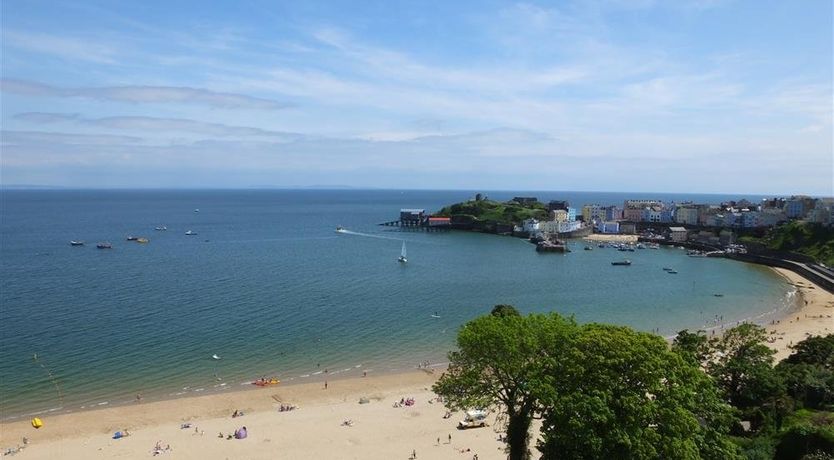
(68, 48)
(145, 95)
(156, 124)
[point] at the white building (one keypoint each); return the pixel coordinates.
(553, 226)
(531, 226)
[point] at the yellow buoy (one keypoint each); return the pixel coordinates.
(37, 423)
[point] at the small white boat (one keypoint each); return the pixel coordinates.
(161, 228)
(340, 229)
(214, 356)
(76, 243)
(402, 259)
(190, 232)
(435, 315)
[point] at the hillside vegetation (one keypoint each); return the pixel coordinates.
(814, 240)
(497, 212)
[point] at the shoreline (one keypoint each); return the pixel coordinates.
(315, 429)
(814, 315)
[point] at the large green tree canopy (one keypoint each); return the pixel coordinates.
(618, 393)
(498, 362)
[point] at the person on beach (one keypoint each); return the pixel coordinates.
(325, 384)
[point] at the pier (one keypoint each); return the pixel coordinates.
(416, 219)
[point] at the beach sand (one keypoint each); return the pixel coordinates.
(611, 238)
(313, 430)
(815, 315)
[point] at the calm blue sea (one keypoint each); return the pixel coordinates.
(268, 286)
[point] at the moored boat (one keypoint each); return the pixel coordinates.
(190, 233)
(104, 245)
(142, 240)
(621, 262)
(132, 238)
(76, 243)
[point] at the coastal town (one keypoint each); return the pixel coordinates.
(732, 229)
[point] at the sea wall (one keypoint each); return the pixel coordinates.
(798, 268)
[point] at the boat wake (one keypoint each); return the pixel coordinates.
(368, 235)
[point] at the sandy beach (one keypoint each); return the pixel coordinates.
(611, 238)
(814, 317)
(315, 429)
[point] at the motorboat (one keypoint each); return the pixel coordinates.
(190, 233)
(161, 228)
(672, 272)
(621, 262)
(104, 245)
(340, 229)
(132, 238)
(76, 243)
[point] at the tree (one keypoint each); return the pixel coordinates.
(617, 393)
(743, 369)
(816, 350)
(504, 310)
(693, 346)
(808, 372)
(498, 362)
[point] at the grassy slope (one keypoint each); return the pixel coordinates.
(495, 211)
(814, 240)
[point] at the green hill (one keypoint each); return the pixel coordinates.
(494, 212)
(814, 240)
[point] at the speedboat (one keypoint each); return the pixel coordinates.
(340, 229)
(104, 245)
(190, 232)
(132, 238)
(621, 262)
(76, 243)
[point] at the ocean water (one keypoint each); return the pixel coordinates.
(270, 287)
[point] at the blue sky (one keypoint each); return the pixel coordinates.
(611, 95)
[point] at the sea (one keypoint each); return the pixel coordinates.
(267, 285)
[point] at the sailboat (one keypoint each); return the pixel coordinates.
(402, 258)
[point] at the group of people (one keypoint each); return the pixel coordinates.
(404, 402)
(158, 449)
(240, 433)
(287, 407)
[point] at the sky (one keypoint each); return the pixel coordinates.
(702, 96)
